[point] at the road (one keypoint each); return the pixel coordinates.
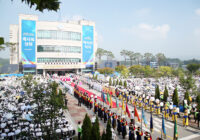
(183, 133)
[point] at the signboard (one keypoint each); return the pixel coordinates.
(28, 36)
(88, 45)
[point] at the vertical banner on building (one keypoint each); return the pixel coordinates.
(28, 37)
(88, 43)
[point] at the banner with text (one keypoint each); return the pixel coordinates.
(88, 45)
(28, 37)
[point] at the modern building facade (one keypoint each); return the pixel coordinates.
(53, 47)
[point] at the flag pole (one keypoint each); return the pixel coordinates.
(141, 120)
(162, 128)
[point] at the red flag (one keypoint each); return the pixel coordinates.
(136, 114)
(127, 111)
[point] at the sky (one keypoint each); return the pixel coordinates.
(171, 27)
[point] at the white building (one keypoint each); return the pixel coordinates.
(53, 47)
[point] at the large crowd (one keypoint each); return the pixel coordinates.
(17, 113)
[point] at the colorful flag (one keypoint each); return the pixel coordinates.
(175, 130)
(117, 104)
(127, 111)
(108, 98)
(123, 108)
(111, 101)
(151, 123)
(136, 114)
(163, 127)
(103, 97)
(144, 118)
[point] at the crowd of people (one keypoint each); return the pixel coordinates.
(17, 113)
(141, 92)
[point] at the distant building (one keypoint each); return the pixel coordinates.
(153, 64)
(53, 47)
(107, 63)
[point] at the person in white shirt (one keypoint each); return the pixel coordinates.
(93, 119)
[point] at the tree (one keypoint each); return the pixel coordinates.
(106, 70)
(95, 134)
(157, 92)
(125, 73)
(193, 68)
(160, 58)
(125, 84)
(148, 57)
(109, 55)
(103, 137)
(148, 71)
(120, 68)
(43, 4)
(2, 43)
(124, 54)
(138, 57)
(136, 70)
(117, 83)
(108, 130)
(120, 83)
(131, 56)
(114, 83)
(86, 128)
(110, 81)
(187, 97)
(187, 82)
(165, 94)
(99, 53)
(175, 97)
(198, 101)
(165, 71)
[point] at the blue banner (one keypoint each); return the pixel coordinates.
(28, 31)
(88, 45)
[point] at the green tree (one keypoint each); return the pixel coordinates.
(157, 92)
(193, 68)
(131, 56)
(187, 82)
(148, 71)
(138, 57)
(109, 55)
(124, 53)
(125, 84)
(117, 83)
(198, 101)
(187, 97)
(165, 71)
(137, 70)
(95, 134)
(106, 70)
(96, 77)
(108, 130)
(86, 128)
(120, 82)
(160, 58)
(148, 57)
(175, 97)
(43, 4)
(99, 53)
(2, 43)
(165, 94)
(110, 81)
(114, 83)
(120, 68)
(125, 73)
(103, 137)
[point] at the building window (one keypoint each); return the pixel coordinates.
(64, 49)
(58, 35)
(58, 60)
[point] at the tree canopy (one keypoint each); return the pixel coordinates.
(50, 5)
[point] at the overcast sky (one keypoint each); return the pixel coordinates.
(168, 26)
